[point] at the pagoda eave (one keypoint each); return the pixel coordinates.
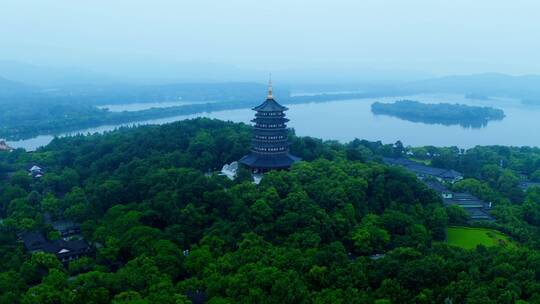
(268, 162)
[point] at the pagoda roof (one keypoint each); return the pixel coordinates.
(270, 105)
(277, 161)
(280, 119)
(270, 132)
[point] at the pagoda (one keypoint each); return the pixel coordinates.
(269, 145)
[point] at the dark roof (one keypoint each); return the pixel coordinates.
(197, 297)
(260, 161)
(67, 248)
(62, 225)
(419, 168)
(451, 174)
(398, 161)
(465, 197)
(436, 186)
(527, 184)
(34, 241)
(464, 200)
(270, 105)
(479, 214)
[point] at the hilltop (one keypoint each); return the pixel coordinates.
(339, 227)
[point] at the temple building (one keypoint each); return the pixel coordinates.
(269, 146)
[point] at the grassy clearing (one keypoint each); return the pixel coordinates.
(469, 238)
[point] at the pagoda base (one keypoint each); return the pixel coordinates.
(264, 163)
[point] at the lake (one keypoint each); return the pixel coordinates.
(348, 119)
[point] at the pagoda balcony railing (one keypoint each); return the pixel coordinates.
(272, 138)
(270, 142)
(260, 148)
(269, 114)
(284, 127)
(271, 153)
(270, 120)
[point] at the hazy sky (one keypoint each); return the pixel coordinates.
(425, 36)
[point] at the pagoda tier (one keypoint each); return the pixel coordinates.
(268, 120)
(265, 143)
(269, 145)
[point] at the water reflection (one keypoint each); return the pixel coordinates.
(467, 124)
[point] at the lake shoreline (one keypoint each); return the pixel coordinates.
(118, 117)
(347, 119)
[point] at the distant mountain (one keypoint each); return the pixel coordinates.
(10, 88)
(130, 93)
(158, 82)
(50, 77)
(490, 85)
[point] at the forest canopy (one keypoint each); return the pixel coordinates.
(339, 227)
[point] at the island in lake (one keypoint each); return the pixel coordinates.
(443, 113)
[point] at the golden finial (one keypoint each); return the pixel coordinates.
(270, 96)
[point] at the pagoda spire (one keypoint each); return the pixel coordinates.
(270, 96)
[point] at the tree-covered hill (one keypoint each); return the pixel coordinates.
(443, 113)
(166, 231)
(9, 89)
